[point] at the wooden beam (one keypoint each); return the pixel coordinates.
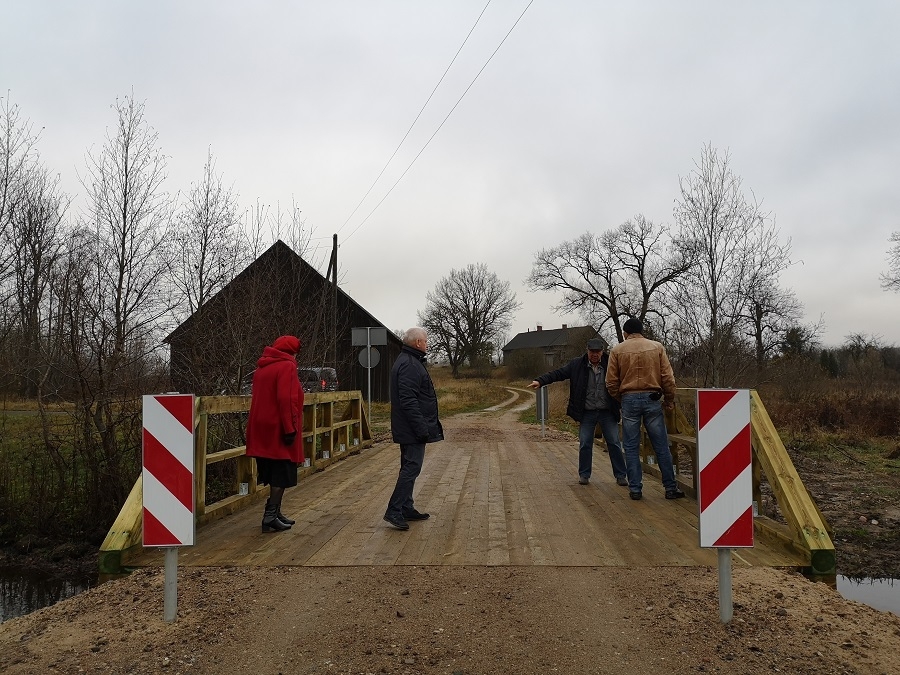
(796, 506)
(126, 532)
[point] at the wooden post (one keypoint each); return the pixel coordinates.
(200, 464)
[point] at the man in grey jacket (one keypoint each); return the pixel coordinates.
(590, 404)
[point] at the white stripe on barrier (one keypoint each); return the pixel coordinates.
(168, 510)
(722, 513)
(171, 433)
(721, 429)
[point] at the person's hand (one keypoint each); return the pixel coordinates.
(534, 384)
(669, 405)
(288, 439)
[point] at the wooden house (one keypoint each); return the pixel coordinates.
(215, 350)
(534, 352)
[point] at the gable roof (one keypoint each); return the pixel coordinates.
(281, 254)
(543, 339)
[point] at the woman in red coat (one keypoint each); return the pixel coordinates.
(275, 426)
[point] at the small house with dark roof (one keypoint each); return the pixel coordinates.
(536, 351)
(215, 350)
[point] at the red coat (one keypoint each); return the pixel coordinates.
(276, 407)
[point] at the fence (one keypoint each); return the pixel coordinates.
(334, 426)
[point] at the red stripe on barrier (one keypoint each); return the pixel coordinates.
(740, 533)
(157, 534)
(180, 407)
(716, 476)
(176, 478)
(711, 402)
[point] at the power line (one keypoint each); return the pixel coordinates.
(430, 96)
(441, 124)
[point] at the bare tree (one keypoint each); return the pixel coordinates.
(737, 252)
(36, 242)
(467, 313)
(891, 280)
(17, 157)
(120, 304)
(207, 245)
(585, 270)
(618, 273)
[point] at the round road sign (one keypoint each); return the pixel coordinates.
(369, 358)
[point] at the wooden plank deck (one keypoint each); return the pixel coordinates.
(499, 493)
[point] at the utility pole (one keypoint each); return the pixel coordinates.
(332, 274)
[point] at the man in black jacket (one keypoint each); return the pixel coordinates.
(590, 404)
(414, 422)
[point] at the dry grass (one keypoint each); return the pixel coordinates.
(455, 395)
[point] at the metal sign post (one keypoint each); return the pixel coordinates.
(168, 479)
(170, 592)
(542, 402)
(724, 480)
(369, 357)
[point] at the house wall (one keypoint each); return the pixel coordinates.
(279, 294)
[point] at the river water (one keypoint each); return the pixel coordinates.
(883, 594)
(22, 592)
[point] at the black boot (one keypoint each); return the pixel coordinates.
(270, 522)
(283, 518)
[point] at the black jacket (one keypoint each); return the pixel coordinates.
(576, 372)
(414, 408)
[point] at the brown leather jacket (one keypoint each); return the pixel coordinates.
(639, 364)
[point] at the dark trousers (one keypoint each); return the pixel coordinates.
(411, 459)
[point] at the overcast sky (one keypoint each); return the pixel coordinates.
(588, 114)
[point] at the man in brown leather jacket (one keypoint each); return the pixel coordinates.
(640, 377)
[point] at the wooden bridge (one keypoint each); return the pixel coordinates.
(499, 493)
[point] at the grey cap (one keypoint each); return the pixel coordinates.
(597, 344)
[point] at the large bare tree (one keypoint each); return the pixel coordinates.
(610, 276)
(467, 313)
(738, 254)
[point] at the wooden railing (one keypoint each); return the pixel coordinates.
(334, 426)
(806, 531)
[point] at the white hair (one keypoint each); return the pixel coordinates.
(413, 334)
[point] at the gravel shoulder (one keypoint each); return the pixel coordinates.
(454, 620)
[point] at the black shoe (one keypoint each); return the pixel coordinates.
(397, 521)
(635, 494)
(412, 514)
(270, 522)
(283, 518)
(621, 480)
(674, 494)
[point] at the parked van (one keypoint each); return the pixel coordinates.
(316, 379)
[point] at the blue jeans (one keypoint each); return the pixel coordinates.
(411, 459)
(636, 408)
(610, 430)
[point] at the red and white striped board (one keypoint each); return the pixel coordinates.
(168, 470)
(725, 478)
